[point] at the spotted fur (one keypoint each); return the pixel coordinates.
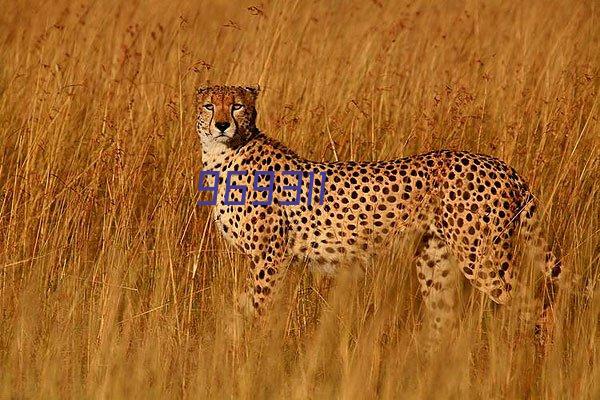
(468, 208)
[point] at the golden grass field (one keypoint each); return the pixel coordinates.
(114, 284)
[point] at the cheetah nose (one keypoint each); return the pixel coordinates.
(222, 126)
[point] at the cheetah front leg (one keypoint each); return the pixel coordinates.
(266, 244)
(264, 276)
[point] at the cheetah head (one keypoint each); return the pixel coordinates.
(226, 115)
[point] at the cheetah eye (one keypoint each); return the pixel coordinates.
(209, 106)
(237, 106)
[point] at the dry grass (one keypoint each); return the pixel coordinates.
(113, 283)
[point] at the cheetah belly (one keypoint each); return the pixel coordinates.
(347, 236)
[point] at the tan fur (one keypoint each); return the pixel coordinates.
(467, 206)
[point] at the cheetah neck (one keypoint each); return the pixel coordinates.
(215, 155)
(218, 156)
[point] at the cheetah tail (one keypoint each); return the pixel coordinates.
(547, 256)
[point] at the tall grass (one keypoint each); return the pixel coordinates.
(113, 284)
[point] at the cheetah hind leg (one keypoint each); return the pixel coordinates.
(488, 266)
(492, 273)
(437, 279)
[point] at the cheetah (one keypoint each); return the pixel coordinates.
(467, 208)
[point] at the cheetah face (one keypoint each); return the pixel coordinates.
(226, 114)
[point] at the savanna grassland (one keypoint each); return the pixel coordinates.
(114, 284)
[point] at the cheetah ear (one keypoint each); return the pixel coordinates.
(254, 90)
(201, 91)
